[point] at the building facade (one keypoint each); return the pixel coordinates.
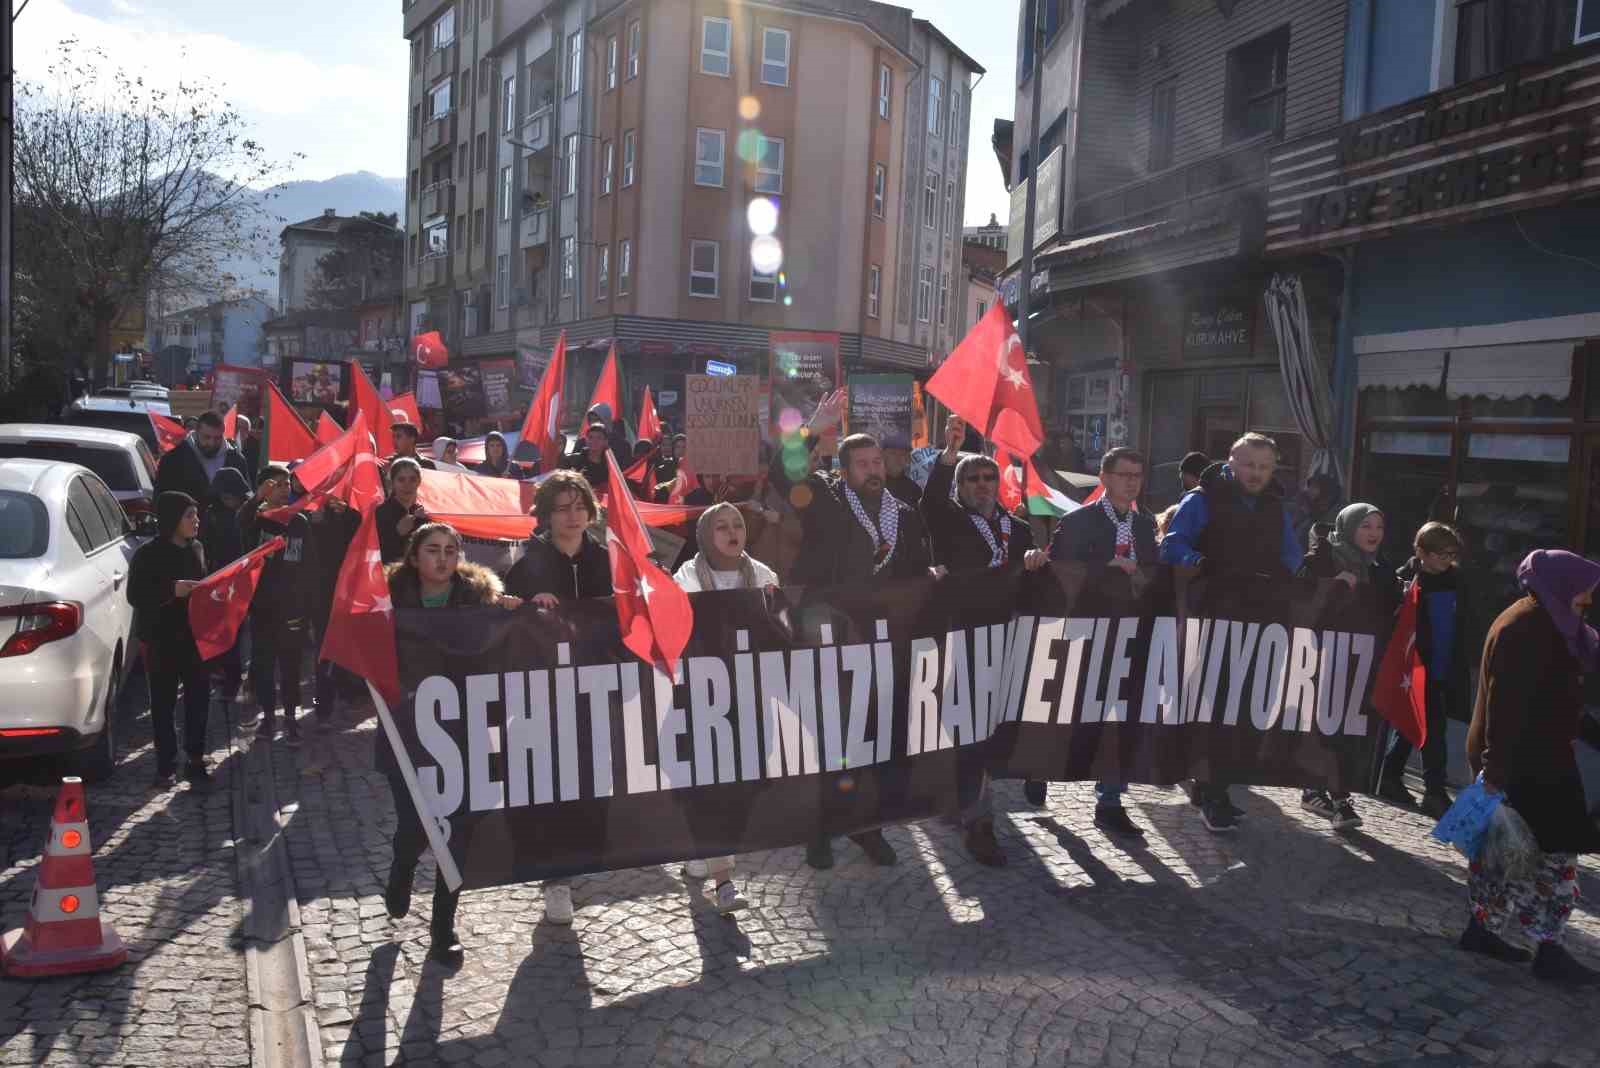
(686, 179)
(991, 234)
(226, 331)
(983, 263)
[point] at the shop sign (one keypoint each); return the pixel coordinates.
(1218, 327)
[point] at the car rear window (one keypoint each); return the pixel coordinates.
(24, 526)
(130, 421)
(114, 466)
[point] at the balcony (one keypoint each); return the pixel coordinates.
(536, 128)
(439, 133)
(439, 63)
(435, 270)
(1190, 189)
(436, 198)
(535, 229)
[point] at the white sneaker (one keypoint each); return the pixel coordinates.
(558, 904)
(697, 869)
(728, 899)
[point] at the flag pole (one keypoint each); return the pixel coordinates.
(1026, 288)
(436, 828)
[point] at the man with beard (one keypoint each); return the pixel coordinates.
(191, 467)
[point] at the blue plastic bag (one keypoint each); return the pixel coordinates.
(1467, 822)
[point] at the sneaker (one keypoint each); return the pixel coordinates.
(1436, 802)
(697, 869)
(558, 904)
(983, 846)
(1345, 816)
(1035, 792)
(1114, 820)
(728, 899)
(1554, 964)
(1479, 939)
(1318, 803)
(1392, 790)
(872, 843)
(1218, 818)
(446, 949)
(196, 773)
(397, 894)
(166, 775)
(819, 854)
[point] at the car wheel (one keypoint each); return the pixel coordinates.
(97, 763)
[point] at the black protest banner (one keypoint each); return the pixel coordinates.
(545, 749)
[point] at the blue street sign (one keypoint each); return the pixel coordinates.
(717, 367)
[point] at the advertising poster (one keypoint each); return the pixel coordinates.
(883, 406)
(720, 417)
(461, 388)
(238, 385)
(315, 382)
(805, 368)
(499, 376)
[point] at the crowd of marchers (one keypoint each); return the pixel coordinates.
(808, 523)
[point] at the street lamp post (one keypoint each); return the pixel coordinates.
(1036, 73)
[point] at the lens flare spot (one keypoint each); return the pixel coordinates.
(762, 214)
(766, 254)
(746, 145)
(789, 420)
(749, 108)
(788, 301)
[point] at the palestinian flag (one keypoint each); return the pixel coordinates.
(1026, 488)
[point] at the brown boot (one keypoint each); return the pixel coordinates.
(981, 843)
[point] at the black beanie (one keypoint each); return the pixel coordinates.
(170, 507)
(230, 482)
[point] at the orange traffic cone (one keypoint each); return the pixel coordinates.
(63, 934)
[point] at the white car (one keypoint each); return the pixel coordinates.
(66, 628)
(122, 460)
(131, 414)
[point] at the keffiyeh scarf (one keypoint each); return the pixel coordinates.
(885, 533)
(997, 546)
(1124, 525)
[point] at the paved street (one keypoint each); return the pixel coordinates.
(1282, 945)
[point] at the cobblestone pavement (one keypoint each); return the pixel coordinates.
(1283, 944)
(165, 865)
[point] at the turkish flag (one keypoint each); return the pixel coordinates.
(327, 428)
(344, 468)
(429, 350)
(1401, 693)
(169, 432)
(985, 381)
(1011, 479)
(218, 605)
(364, 398)
(407, 404)
(360, 635)
(543, 420)
(638, 472)
(230, 423)
(288, 437)
(608, 390)
(684, 482)
(653, 612)
(649, 421)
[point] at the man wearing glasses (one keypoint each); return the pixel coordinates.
(1112, 532)
(971, 532)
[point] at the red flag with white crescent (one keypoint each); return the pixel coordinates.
(543, 421)
(986, 382)
(1401, 692)
(218, 605)
(653, 612)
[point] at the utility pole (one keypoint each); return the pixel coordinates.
(8, 113)
(1037, 74)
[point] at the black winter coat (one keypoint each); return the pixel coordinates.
(546, 569)
(182, 470)
(163, 616)
(1088, 536)
(290, 581)
(392, 543)
(953, 536)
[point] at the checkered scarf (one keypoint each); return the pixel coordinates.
(997, 546)
(885, 533)
(1124, 525)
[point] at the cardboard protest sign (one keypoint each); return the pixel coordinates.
(721, 418)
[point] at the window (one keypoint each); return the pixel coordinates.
(627, 158)
(936, 107)
(462, 152)
(505, 193)
(981, 310)
(944, 299)
(880, 182)
(634, 31)
(480, 152)
(569, 264)
(508, 104)
(439, 99)
(611, 62)
(574, 62)
(479, 224)
(763, 287)
(703, 268)
(502, 281)
(709, 146)
(1492, 35)
(436, 236)
(484, 9)
(924, 293)
(414, 248)
(930, 201)
(774, 56)
(716, 41)
(1052, 24)
(416, 119)
(769, 165)
(955, 117)
(885, 86)
(444, 29)
(1163, 130)
(416, 55)
(607, 151)
(411, 186)
(461, 232)
(950, 209)
(1258, 78)
(624, 265)
(602, 278)
(569, 158)
(485, 77)
(874, 290)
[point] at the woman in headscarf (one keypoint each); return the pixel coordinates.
(160, 578)
(1530, 704)
(432, 574)
(1348, 551)
(445, 452)
(496, 458)
(722, 564)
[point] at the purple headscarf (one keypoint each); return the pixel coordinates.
(1555, 577)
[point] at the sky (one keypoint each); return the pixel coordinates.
(327, 78)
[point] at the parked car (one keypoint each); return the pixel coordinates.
(130, 414)
(146, 390)
(122, 460)
(66, 628)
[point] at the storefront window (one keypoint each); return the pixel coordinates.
(1407, 474)
(1512, 498)
(1531, 408)
(1415, 402)
(1088, 403)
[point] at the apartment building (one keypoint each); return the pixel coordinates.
(991, 234)
(687, 179)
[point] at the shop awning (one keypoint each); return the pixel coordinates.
(1506, 372)
(1400, 370)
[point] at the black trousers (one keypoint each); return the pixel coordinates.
(409, 842)
(1435, 756)
(278, 648)
(164, 680)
